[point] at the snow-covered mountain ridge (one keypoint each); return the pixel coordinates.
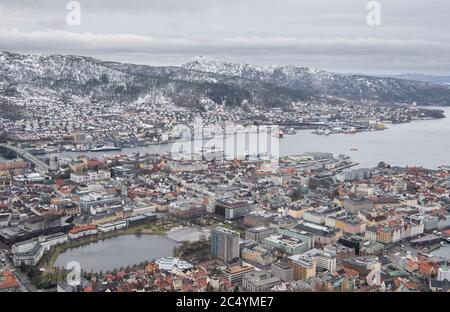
(225, 83)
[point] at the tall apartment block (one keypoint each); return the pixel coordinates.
(224, 244)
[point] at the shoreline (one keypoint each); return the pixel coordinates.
(52, 256)
(439, 114)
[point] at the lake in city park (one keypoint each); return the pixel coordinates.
(117, 252)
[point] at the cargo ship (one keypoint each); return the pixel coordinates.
(105, 148)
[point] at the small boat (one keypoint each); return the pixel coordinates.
(355, 149)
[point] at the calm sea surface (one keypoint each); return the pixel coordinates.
(423, 143)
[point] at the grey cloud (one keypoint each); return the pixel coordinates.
(379, 53)
(331, 34)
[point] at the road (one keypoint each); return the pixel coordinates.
(23, 280)
(39, 164)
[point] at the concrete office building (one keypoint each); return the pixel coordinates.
(324, 260)
(258, 233)
(231, 209)
(235, 274)
(225, 244)
(259, 281)
(283, 270)
(304, 267)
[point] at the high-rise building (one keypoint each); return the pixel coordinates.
(224, 244)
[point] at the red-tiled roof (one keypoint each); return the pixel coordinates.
(79, 229)
(7, 280)
(426, 268)
(350, 272)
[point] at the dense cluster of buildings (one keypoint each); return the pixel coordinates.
(84, 124)
(310, 223)
(379, 229)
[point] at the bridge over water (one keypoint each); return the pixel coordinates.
(39, 164)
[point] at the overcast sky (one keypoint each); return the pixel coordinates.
(414, 35)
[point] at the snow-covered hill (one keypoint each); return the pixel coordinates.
(319, 82)
(57, 76)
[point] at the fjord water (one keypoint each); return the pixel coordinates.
(424, 143)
